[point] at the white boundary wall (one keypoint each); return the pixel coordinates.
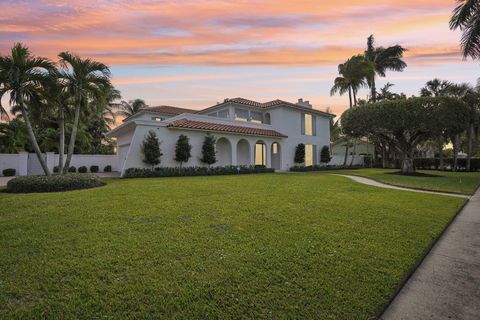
(19, 162)
(338, 160)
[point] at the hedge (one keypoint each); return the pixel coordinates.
(93, 169)
(193, 171)
(434, 163)
(322, 168)
(72, 169)
(107, 168)
(53, 183)
(82, 169)
(10, 172)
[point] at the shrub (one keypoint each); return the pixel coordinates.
(56, 169)
(93, 169)
(320, 168)
(299, 153)
(151, 149)
(72, 169)
(193, 171)
(107, 168)
(54, 183)
(10, 172)
(183, 149)
(82, 169)
(208, 150)
(325, 155)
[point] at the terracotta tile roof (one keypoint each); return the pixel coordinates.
(169, 110)
(210, 126)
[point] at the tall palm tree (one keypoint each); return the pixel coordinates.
(22, 76)
(435, 88)
(355, 73)
(84, 79)
(127, 109)
(466, 17)
(383, 59)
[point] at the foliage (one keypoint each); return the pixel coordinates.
(82, 169)
(194, 171)
(13, 136)
(325, 155)
(151, 149)
(208, 150)
(466, 17)
(146, 247)
(94, 169)
(72, 169)
(10, 172)
(317, 167)
(183, 149)
(54, 183)
(56, 169)
(128, 109)
(299, 153)
(107, 168)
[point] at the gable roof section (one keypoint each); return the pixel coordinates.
(169, 110)
(267, 105)
(218, 127)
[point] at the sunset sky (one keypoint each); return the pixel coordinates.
(194, 53)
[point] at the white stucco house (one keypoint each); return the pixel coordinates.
(247, 133)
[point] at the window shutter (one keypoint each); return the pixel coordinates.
(314, 154)
(314, 125)
(302, 117)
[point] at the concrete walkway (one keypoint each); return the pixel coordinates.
(388, 186)
(446, 285)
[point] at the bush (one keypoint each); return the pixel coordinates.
(56, 169)
(107, 168)
(82, 169)
(72, 169)
(54, 183)
(10, 172)
(434, 163)
(193, 171)
(321, 168)
(93, 169)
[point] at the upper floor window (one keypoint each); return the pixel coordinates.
(158, 119)
(308, 124)
(241, 114)
(223, 113)
(255, 117)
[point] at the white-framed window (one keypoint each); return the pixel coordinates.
(158, 119)
(223, 113)
(308, 120)
(260, 154)
(308, 155)
(274, 148)
(256, 117)
(241, 114)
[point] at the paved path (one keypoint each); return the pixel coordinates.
(446, 285)
(389, 186)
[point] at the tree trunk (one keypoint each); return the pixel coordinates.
(33, 139)
(407, 166)
(61, 147)
(73, 135)
(346, 153)
(354, 152)
(440, 154)
(470, 134)
(384, 160)
(456, 141)
(350, 96)
(373, 91)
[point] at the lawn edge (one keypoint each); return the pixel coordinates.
(420, 260)
(414, 188)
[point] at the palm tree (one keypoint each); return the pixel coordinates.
(84, 79)
(355, 73)
(435, 88)
(466, 17)
(128, 109)
(383, 59)
(22, 75)
(13, 136)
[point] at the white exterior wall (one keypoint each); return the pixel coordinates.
(14, 161)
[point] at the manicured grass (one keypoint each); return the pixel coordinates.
(294, 245)
(456, 182)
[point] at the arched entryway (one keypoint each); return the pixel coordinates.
(224, 152)
(243, 153)
(276, 156)
(260, 153)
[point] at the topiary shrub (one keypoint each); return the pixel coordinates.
(82, 169)
(107, 168)
(56, 169)
(54, 183)
(10, 172)
(72, 169)
(93, 169)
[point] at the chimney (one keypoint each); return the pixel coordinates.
(305, 104)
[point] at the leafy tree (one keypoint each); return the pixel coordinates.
(383, 59)
(406, 123)
(84, 79)
(325, 155)
(299, 153)
(151, 149)
(386, 94)
(208, 150)
(182, 149)
(466, 17)
(13, 136)
(128, 109)
(22, 76)
(435, 88)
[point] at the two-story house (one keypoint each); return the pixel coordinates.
(247, 133)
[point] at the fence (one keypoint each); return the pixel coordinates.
(27, 163)
(338, 160)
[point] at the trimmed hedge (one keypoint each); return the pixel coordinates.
(193, 171)
(322, 168)
(107, 168)
(10, 172)
(54, 183)
(434, 163)
(72, 169)
(82, 169)
(93, 169)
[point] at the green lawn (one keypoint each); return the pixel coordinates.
(265, 246)
(456, 182)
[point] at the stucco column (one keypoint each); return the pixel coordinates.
(268, 154)
(233, 145)
(252, 153)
